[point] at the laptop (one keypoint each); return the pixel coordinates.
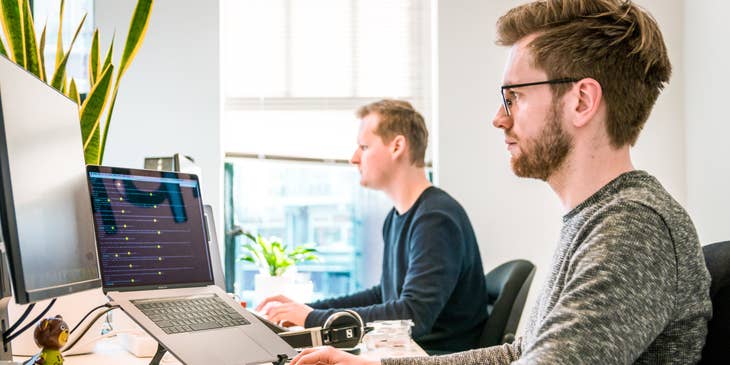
(156, 265)
(219, 278)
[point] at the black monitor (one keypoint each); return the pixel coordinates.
(45, 212)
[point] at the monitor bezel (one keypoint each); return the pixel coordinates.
(11, 240)
(149, 173)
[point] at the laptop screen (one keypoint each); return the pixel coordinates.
(149, 229)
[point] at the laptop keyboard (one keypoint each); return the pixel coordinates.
(189, 314)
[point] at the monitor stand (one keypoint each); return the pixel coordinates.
(6, 352)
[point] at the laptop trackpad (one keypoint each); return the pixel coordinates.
(221, 346)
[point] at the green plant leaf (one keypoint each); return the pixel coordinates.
(73, 92)
(94, 58)
(137, 30)
(275, 257)
(90, 115)
(32, 58)
(13, 27)
(248, 258)
(109, 54)
(3, 50)
(250, 236)
(41, 49)
(59, 39)
(59, 75)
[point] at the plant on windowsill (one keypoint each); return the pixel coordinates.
(277, 267)
(26, 51)
(274, 258)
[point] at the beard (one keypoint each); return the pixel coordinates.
(543, 155)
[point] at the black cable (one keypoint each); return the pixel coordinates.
(87, 316)
(96, 318)
(20, 320)
(17, 333)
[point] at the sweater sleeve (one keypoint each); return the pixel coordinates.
(495, 355)
(619, 292)
(434, 265)
(324, 308)
(359, 299)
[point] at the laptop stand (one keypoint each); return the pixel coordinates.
(282, 359)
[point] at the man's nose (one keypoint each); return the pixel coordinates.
(501, 119)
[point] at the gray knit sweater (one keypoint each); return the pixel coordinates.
(628, 284)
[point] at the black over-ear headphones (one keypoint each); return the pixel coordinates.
(342, 330)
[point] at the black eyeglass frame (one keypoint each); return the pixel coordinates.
(506, 102)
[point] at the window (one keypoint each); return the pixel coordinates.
(45, 13)
(309, 202)
(293, 73)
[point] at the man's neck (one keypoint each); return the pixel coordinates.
(583, 174)
(405, 188)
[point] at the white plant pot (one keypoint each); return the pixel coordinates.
(294, 286)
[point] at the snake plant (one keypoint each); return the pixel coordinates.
(25, 50)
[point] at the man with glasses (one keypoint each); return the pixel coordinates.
(628, 283)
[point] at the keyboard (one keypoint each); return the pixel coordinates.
(190, 314)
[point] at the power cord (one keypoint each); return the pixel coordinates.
(20, 320)
(107, 305)
(17, 333)
(108, 309)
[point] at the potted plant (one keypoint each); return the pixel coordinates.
(24, 49)
(277, 267)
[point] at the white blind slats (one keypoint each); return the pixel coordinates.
(294, 72)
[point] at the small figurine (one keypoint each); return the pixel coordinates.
(51, 334)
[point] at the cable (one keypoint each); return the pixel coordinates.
(20, 320)
(87, 316)
(96, 318)
(17, 333)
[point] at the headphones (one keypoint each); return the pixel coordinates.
(342, 330)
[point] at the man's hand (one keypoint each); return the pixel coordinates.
(329, 356)
(281, 309)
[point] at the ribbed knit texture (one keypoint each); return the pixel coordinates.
(628, 284)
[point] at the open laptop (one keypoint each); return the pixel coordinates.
(155, 263)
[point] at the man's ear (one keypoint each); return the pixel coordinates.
(587, 98)
(398, 146)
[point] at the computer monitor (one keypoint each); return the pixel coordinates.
(45, 212)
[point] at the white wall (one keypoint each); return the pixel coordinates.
(169, 102)
(707, 121)
(518, 218)
(169, 99)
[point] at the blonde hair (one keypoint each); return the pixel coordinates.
(398, 117)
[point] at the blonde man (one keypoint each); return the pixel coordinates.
(432, 270)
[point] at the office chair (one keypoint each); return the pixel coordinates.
(717, 345)
(507, 287)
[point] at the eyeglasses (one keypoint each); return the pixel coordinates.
(507, 102)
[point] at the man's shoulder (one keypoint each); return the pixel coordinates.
(436, 199)
(635, 193)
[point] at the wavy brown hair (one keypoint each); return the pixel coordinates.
(398, 117)
(615, 42)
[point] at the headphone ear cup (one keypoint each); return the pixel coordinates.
(356, 316)
(345, 329)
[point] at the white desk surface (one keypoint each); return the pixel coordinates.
(109, 352)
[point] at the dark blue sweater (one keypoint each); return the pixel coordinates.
(432, 274)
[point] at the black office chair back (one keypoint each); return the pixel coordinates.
(507, 288)
(717, 345)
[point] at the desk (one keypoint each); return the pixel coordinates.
(109, 352)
